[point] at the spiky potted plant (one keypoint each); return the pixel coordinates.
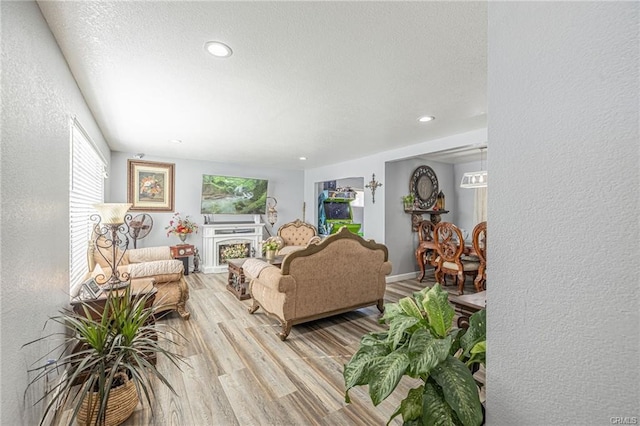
(107, 357)
(422, 344)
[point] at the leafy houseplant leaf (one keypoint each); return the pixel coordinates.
(419, 295)
(426, 352)
(359, 368)
(391, 310)
(460, 390)
(478, 354)
(435, 410)
(373, 339)
(398, 327)
(409, 307)
(411, 406)
(439, 311)
(476, 332)
(480, 347)
(386, 375)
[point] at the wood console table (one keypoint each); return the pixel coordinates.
(416, 216)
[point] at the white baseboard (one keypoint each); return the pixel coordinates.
(400, 277)
(50, 419)
(389, 279)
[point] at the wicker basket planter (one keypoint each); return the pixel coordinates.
(120, 405)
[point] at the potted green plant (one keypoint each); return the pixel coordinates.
(408, 201)
(421, 343)
(106, 355)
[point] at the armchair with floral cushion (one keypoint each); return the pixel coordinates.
(295, 236)
(151, 262)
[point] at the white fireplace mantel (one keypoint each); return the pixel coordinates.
(220, 235)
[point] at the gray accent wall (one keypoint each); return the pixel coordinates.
(39, 98)
(563, 316)
(399, 236)
(285, 185)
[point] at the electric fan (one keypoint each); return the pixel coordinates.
(139, 227)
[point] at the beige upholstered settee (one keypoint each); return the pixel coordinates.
(342, 273)
(151, 262)
(294, 236)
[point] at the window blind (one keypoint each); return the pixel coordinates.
(86, 188)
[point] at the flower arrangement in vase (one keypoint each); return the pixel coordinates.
(269, 248)
(181, 227)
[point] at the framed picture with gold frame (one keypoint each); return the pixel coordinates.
(150, 186)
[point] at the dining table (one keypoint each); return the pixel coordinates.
(426, 246)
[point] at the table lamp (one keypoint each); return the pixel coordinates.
(110, 233)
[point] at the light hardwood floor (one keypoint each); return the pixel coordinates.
(240, 373)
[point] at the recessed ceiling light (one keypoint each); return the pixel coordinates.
(426, 118)
(175, 140)
(303, 158)
(218, 49)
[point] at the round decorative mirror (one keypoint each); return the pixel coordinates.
(424, 186)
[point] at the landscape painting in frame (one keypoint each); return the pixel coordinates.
(150, 186)
(233, 195)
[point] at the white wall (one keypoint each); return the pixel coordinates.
(39, 97)
(285, 185)
(563, 293)
(463, 217)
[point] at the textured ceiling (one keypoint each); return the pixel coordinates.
(331, 81)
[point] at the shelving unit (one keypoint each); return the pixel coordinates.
(416, 216)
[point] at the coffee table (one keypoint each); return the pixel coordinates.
(468, 304)
(138, 286)
(237, 284)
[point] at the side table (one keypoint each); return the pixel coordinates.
(468, 304)
(182, 252)
(141, 286)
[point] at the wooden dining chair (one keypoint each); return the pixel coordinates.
(480, 247)
(450, 247)
(426, 251)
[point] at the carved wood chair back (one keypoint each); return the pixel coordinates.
(425, 231)
(480, 247)
(450, 247)
(426, 251)
(480, 241)
(449, 242)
